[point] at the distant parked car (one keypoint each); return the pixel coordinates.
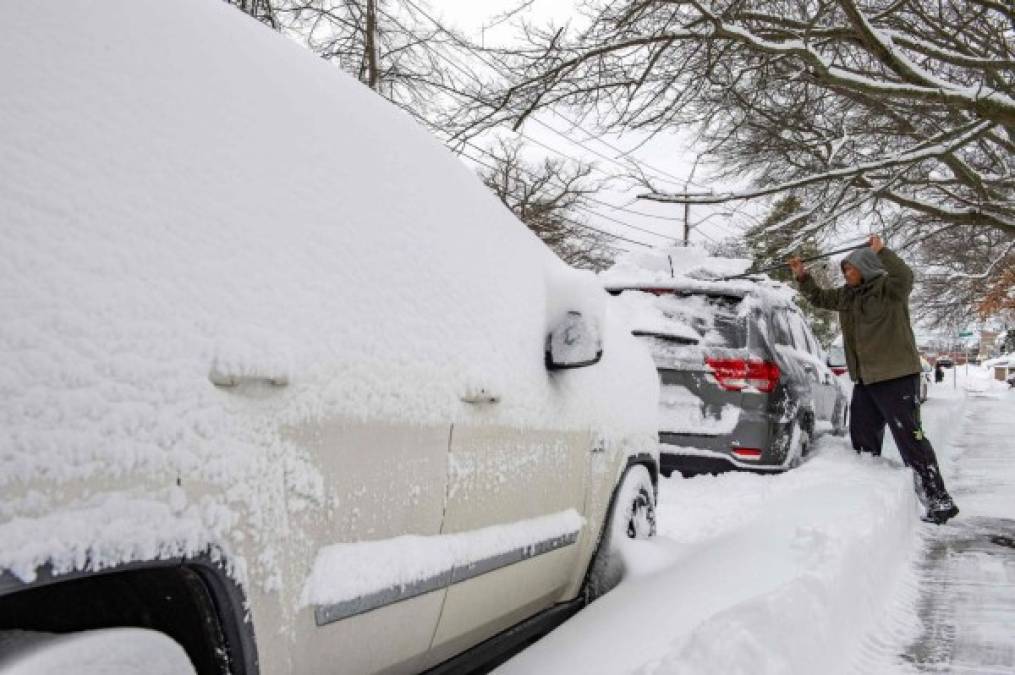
(837, 362)
(945, 361)
(836, 357)
(745, 384)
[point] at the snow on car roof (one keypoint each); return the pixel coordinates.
(692, 273)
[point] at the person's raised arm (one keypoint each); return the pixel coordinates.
(825, 298)
(900, 278)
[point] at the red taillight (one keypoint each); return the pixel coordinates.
(739, 374)
(747, 453)
(838, 370)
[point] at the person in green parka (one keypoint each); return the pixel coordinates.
(883, 362)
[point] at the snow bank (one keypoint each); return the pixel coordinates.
(831, 590)
(110, 651)
(750, 574)
(347, 571)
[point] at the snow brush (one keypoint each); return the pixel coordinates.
(810, 259)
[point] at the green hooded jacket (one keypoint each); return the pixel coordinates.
(876, 330)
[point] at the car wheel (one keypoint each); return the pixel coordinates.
(92, 652)
(799, 444)
(632, 516)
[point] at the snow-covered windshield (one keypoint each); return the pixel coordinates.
(686, 317)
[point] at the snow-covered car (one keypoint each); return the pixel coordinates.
(282, 383)
(744, 382)
(836, 358)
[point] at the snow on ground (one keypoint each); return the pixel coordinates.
(110, 651)
(809, 571)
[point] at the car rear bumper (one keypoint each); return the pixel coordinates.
(694, 453)
(695, 460)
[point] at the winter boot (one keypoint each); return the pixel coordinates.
(940, 510)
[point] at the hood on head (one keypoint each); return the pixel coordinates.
(867, 261)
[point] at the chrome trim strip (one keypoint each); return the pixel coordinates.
(325, 614)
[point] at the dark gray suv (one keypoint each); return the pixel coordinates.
(744, 383)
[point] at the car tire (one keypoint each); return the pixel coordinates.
(632, 516)
(800, 444)
(93, 652)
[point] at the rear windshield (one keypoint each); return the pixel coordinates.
(687, 318)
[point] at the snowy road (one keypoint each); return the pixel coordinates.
(824, 569)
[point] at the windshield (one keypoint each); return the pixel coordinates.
(687, 317)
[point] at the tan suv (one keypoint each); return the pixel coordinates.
(283, 388)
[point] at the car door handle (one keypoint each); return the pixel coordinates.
(479, 397)
(221, 378)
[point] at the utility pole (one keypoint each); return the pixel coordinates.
(687, 213)
(687, 205)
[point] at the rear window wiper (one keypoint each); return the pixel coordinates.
(665, 336)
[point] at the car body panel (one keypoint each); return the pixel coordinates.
(547, 476)
(380, 481)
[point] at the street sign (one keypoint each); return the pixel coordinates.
(966, 333)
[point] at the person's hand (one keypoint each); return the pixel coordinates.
(876, 244)
(797, 267)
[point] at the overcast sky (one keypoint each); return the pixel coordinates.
(668, 157)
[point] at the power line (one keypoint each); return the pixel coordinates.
(568, 220)
(469, 74)
(625, 153)
(472, 76)
(500, 67)
(531, 174)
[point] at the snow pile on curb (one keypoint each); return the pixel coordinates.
(106, 651)
(815, 620)
(751, 574)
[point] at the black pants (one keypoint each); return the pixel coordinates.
(897, 404)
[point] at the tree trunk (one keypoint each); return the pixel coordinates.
(371, 43)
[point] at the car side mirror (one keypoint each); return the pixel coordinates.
(573, 343)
